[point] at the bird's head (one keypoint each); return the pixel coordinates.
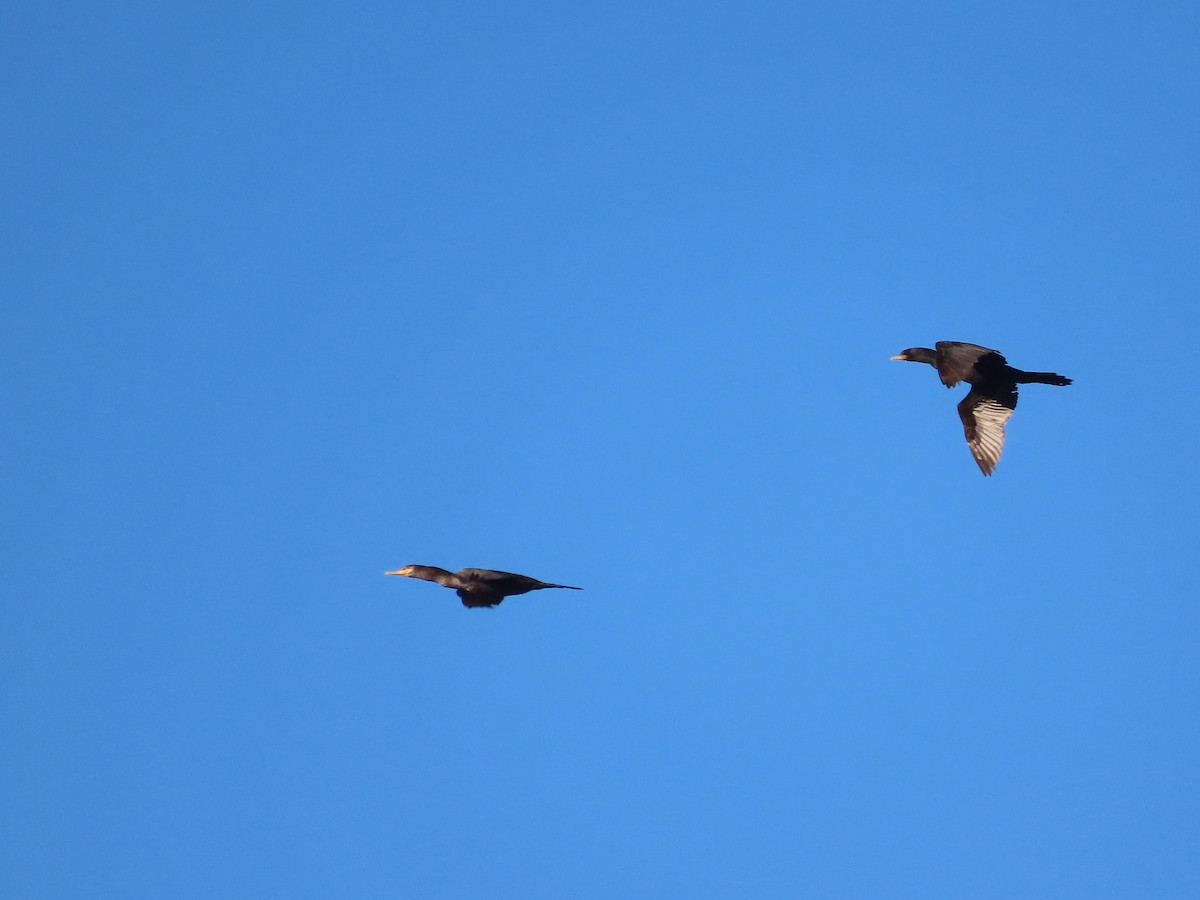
(404, 570)
(917, 354)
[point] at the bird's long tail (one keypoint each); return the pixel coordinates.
(1042, 378)
(569, 587)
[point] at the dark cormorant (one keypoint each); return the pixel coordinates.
(479, 587)
(993, 396)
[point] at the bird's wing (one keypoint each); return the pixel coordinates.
(493, 577)
(984, 414)
(506, 583)
(478, 596)
(486, 576)
(956, 361)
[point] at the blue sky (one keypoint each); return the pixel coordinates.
(298, 293)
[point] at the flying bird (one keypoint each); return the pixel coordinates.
(993, 396)
(479, 587)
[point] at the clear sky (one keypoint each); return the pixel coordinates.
(297, 293)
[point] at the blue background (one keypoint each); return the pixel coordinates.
(296, 293)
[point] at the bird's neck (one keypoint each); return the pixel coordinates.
(441, 576)
(923, 354)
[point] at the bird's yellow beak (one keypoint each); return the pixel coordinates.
(898, 356)
(397, 572)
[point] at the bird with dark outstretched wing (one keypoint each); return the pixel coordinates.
(479, 587)
(993, 396)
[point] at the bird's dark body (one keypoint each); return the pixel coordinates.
(487, 587)
(956, 361)
(990, 403)
(480, 587)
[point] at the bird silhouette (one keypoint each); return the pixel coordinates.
(479, 587)
(993, 396)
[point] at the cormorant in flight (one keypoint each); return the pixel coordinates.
(993, 396)
(479, 587)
